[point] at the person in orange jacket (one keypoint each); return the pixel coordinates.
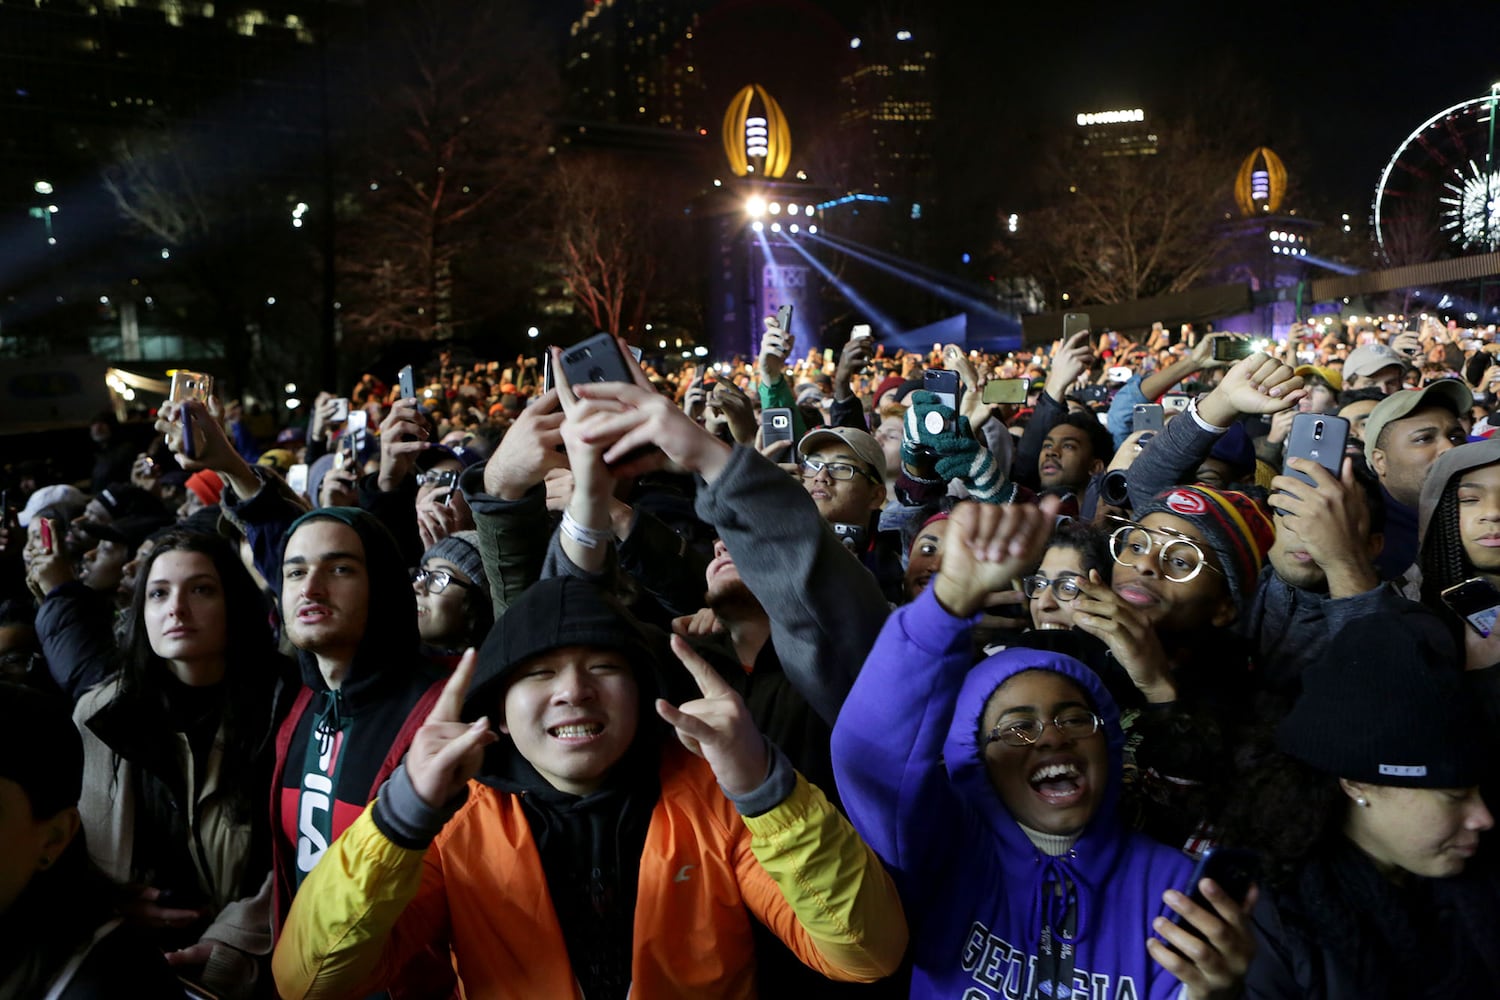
(595, 857)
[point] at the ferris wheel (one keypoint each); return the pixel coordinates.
(1445, 179)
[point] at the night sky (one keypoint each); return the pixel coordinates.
(1342, 83)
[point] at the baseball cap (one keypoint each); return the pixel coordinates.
(1371, 358)
(864, 446)
(1449, 393)
(1329, 375)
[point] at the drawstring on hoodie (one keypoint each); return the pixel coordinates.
(1055, 908)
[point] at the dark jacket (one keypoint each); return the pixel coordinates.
(75, 626)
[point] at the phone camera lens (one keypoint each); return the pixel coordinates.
(596, 374)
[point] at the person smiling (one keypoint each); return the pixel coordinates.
(596, 857)
(991, 792)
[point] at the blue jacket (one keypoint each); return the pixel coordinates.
(910, 768)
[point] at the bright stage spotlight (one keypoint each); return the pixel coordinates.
(757, 226)
(755, 206)
(774, 208)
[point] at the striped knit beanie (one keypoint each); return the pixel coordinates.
(1236, 526)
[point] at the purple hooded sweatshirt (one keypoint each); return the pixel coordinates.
(909, 760)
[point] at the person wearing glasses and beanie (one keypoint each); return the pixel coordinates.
(992, 791)
(453, 601)
(1380, 879)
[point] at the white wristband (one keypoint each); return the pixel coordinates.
(1198, 418)
(589, 538)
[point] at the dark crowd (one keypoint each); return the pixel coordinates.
(1119, 668)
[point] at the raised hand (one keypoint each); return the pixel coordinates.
(446, 751)
(737, 409)
(528, 451)
(1258, 384)
(1132, 639)
(442, 514)
(1212, 966)
(402, 438)
(989, 546)
(1069, 362)
(1329, 521)
(718, 727)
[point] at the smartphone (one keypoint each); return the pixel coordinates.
(189, 443)
(340, 411)
(296, 477)
(1234, 869)
(1006, 391)
(776, 425)
(1477, 602)
(407, 382)
(597, 359)
(355, 429)
(191, 385)
(853, 536)
(1146, 417)
(784, 318)
(5, 508)
(44, 529)
(861, 330)
(1320, 438)
(549, 381)
(1074, 323)
(1232, 348)
(944, 384)
(1177, 402)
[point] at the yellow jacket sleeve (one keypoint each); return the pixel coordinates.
(837, 907)
(342, 936)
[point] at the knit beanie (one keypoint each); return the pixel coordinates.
(1388, 709)
(551, 614)
(1236, 527)
(206, 485)
(40, 749)
(461, 549)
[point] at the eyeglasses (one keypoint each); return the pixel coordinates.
(1179, 557)
(1074, 724)
(435, 581)
(1064, 588)
(437, 477)
(841, 471)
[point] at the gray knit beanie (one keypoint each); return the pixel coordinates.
(462, 550)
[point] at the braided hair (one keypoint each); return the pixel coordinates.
(1443, 560)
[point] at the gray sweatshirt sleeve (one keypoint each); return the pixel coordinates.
(825, 608)
(1169, 459)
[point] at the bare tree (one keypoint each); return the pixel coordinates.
(620, 243)
(1120, 228)
(447, 167)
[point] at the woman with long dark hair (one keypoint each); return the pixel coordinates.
(178, 751)
(1370, 817)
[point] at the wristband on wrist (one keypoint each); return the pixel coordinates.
(589, 538)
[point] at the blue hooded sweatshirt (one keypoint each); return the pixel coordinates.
(909, 760)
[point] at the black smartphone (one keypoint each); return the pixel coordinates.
(5, 508)
(999, 391)
(1074, 323)
(1477, 602)
(1233, 869)
(407, 382)
(189, 445)
(1146, 417)
(944, 384)
(597, 359)
(1320, 438)
(1232, 348)
(776, 425)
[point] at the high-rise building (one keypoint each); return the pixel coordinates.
(889, 113)
(1124, 132)
(631, 63)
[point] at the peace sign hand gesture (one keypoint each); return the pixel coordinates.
(718, 727)
(447, 752)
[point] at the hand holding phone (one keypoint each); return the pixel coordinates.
(1317, 437)
(1146, 417)
(44, 532)
(407, 383)
(942, 383)
(1006, 391)
(1477, 602)
(1234, 870)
